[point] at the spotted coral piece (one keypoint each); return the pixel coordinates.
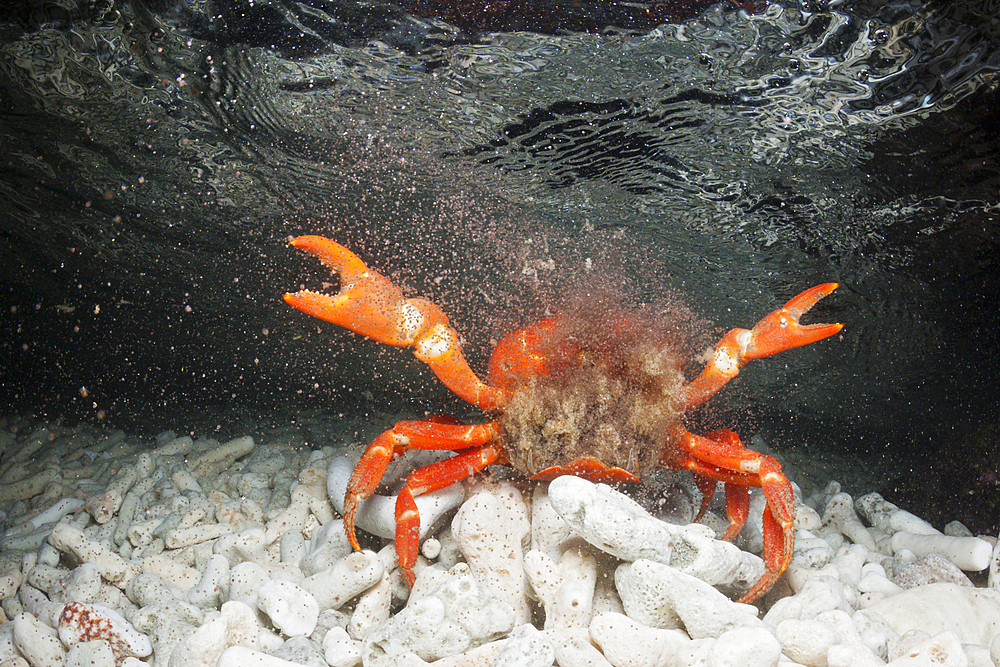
(81, 622)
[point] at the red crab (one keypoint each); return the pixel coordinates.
(596, 393)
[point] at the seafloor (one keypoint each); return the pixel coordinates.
(180, 550)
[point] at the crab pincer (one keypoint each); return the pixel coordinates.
(775, 332)
(369, 304)
(780, 330)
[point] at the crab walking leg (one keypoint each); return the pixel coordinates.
(435, 433)
(778, 331)
(479, 449)
(737, 498)
(737, 502)
(739, 466)
(369, 304)
(425, 480)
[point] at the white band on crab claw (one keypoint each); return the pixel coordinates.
(376, 514)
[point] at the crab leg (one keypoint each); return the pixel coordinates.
(479, 450)
(737, 498)
(369, 304)
(736, 465)
(425, 480)
(778, 331)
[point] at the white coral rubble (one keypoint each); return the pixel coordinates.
(199, 553)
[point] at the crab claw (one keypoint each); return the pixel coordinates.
(780, 330)
(369, 304)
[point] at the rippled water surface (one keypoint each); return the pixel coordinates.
(157, 155)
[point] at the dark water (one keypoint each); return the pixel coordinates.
(157, 155)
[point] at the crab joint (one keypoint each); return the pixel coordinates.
(725, 362)
(411, 321)
(438, 342)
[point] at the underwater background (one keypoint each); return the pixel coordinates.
(704, 158)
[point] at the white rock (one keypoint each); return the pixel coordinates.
(578, 652)
(431, 548)
(296, 516)
(626, 643)
(291, 608)
(565, 590)
(616, 524)
(220, 457)
(7, 649)
(328, 545)
(487, 654)
(849, 561)
(811, 552)
(55, 512)
(840, 514)
(83, 584)
(979, 656)
(429, 578)
(175, 573)
(891, 519)
(372, 608)
(339, 650)
(9, 582)
(112, 567)
(185, 481)
(293, 547)
(250, 544)
(548, 530)
(972, 613)
(610, 520)
(931, 568)
(819, 594)
(376, 514)
(350, 576)
(242, 627)
(206, 593)
(660, 596)
(745, 647)
(183, 537)
(875, 631)
(95, 653)
(241, 656)
(300, 651)
(874, 586)
(527, 647)
(942, 650)
(968, 553)
(806, 641)
(490, 528)
(458, 615)
(993, 580)
(851, 650)
(165, 626)
(37, 642)
(203, 647)
(245, 581)
(806, 518)
(694, 653)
